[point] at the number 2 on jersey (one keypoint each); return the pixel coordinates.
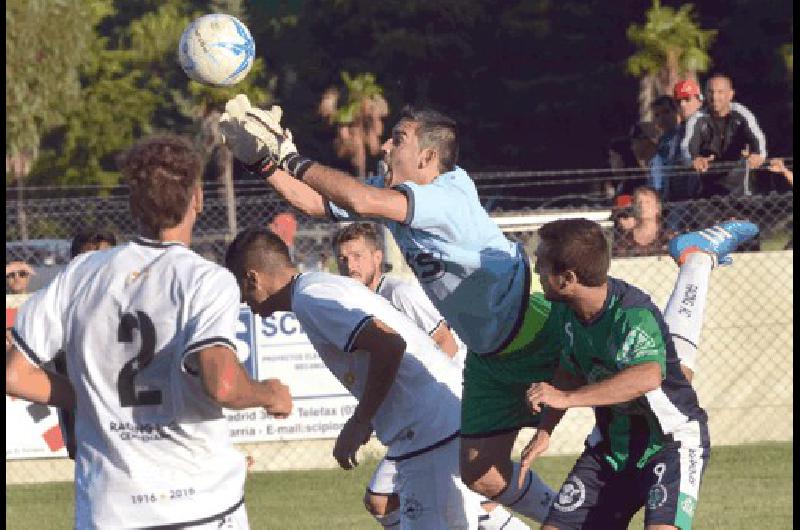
(128, 397)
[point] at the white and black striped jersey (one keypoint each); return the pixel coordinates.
(152, 447)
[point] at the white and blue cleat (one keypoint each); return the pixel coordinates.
(718, 241)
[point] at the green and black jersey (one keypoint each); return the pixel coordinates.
(630, 330)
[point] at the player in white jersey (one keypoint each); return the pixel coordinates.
(148, 329)
(357, 248)
(407, 390)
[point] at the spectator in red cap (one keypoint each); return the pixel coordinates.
(690, 99)
(668, 174)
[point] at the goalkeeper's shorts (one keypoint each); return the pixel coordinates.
(493, 401)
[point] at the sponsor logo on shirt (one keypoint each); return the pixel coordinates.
(638, 343)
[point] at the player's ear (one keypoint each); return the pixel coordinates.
(250, 281)
(568, 279)
(427, 157)
(197, 198)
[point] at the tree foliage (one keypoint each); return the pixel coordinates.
(132, 85)
(671, 40)
(359, 119)
(42, 65)
(533, 84)
(670, 45)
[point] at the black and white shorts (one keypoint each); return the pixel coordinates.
(594, 496)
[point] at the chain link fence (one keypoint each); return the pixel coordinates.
(744, 371)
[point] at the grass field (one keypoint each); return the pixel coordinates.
(745, 487)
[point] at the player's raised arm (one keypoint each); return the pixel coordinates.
(257, 139)
(297, 193)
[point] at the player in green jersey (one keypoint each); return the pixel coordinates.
(650, 443)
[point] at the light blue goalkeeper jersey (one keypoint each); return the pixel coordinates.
(477, 279)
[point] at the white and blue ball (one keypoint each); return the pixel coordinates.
(216, 50)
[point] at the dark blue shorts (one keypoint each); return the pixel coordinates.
(594, 496)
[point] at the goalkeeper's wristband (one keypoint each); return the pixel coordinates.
(296, 164)
(263, 168)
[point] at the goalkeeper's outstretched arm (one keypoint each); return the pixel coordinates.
(297, 193)
(321, 182)
(355, 196)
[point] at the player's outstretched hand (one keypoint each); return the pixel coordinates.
(281, 399)
(353, 435)
(538, 445)
(255, 135)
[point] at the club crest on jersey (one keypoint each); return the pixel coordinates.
(657, 496)
(571, 496)
(637, 343)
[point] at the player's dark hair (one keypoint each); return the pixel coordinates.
(437, 131)
(665, 101)
(90, 237)
(256, 247)
(162, 172)
(369, 231)
(577, 245)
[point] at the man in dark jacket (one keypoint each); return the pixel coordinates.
(723, 131)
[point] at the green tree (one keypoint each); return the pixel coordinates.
(42, 83)
(671, 45)
(359, 120)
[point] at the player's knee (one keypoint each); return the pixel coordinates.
(481, 476)
(379, 505)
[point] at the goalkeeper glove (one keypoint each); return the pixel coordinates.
(256, 138)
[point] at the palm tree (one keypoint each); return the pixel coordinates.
(359, 121)
(671, 46)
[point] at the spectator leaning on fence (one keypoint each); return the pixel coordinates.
(18, 275)
(648, 236)
(723, 131)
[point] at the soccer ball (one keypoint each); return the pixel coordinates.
(216, 50)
